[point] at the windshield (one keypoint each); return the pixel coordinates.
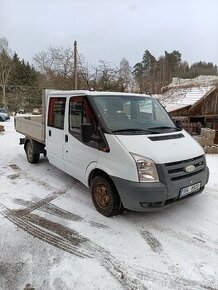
(134, 114)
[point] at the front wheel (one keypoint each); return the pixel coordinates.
(105, 196)
(32, 157)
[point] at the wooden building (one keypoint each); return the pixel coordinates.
(194, 104)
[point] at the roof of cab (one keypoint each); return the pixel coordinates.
(93, 93)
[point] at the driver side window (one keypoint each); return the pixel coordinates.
(80, 113)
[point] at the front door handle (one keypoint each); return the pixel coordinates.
(49, 133)
(66, 138)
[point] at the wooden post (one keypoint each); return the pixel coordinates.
(75, 64)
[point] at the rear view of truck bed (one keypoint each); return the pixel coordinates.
(31, 126)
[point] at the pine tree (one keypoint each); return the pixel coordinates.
(202, 68)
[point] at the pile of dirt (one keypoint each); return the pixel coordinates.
(2, 129)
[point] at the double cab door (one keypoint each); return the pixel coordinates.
(65, 148)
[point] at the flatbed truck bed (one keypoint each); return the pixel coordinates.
(31, 126)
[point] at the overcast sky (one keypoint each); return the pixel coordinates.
(110, 30)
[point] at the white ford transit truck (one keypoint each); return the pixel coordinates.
(124, 146)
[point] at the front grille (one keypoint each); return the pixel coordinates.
(176, 170)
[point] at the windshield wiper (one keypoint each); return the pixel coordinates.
(133, 130)
(165, 127)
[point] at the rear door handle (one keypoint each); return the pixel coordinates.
(66, 138)
(49, 132)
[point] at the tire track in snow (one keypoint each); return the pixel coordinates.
(54, 210)
(152, 241)
(45, 236)
(195, 241)
(197, 233)
(48, 208)
(185, 238)
(157, 248)
(41, 202)
(25, 175)
(106, 260)
(72, 242)
(171, 282)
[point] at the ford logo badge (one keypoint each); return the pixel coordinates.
(189, 168)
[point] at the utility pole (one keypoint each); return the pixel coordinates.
(75, 64)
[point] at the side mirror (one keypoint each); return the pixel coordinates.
(86, 132)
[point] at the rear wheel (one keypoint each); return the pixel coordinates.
(105, 196)
(32, 157)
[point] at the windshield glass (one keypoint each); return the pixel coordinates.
(134, 114)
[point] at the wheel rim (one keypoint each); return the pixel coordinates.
(102, 196)
(29, 152)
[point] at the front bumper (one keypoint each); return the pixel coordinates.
(142, 196)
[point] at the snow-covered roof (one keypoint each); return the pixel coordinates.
(184, 96)
(198, 81)
(181, 93)
(174, 107)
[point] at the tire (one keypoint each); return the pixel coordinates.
(105, 196)
(32, 157)
(1, 119)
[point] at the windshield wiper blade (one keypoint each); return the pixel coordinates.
(164, 127)
(128, 130)
(133, 130)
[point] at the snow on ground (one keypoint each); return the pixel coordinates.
(51, 236)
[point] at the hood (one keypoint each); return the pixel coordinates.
(162, 150)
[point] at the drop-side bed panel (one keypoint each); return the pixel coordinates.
(30, 126)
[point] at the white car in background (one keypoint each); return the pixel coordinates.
(4, 116)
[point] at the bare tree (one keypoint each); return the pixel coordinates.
(56, 64)
(107, 77)
(5, 67)
(85, 74)
(125, 76)
(23, 97)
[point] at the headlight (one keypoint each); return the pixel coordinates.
(147, 170)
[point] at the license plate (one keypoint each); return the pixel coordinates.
(190, 189)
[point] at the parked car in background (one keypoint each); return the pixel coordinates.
(4, 114)
(37, 111)
(21, 111)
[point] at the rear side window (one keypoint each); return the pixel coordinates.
(56, 112)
